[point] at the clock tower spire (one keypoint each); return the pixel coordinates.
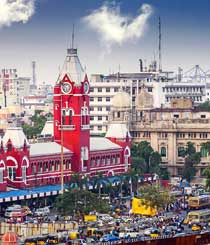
(71, 111)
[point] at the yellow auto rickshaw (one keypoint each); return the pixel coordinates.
(74, 235)
(196, 227)
(30, 241)
(41, 240)
(52, 239)
(154, 233)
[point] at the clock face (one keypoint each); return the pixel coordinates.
(66, 87)
(86, 87)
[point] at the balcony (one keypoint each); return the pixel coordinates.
(85, 127)
(67, 127)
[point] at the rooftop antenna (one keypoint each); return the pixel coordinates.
(72, 37)
(159, 48)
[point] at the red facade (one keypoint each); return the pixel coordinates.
(24, 166)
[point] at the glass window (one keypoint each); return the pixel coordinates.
(100, 99)
(107, 89)
(107, 98)
(163, 152)
(24, 173)
(108, 108)
(91, 89)
(99, 108)
(204, 152)
(99, 89)
(181, 151)
(92, 99)
(100, 127)
(115, 89)
(91, 118)
(99, 118)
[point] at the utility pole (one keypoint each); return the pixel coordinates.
(159, 48)
(62, 182)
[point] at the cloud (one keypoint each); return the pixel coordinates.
(15, 11)
(114, 28)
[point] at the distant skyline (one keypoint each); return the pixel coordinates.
(107, 34)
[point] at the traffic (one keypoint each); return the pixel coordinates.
(129, 219)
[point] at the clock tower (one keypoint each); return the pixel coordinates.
(71, 111)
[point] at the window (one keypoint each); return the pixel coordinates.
(176, 116)
(99, 99)
(91, 118)
(203, 116)
(118, 114)
(180, 151)
(99, 118)
(204, 152)
(91, 108)
(1, 175)
(11, 173)
(99, 127)
(108, 108)
(107, 99)
(99, 89)
(150, 89)
(91, 89)
(91, 99)
(99, 108)
(24, 173)
(115, 89)
(70, 117)
(63, 117)
(163, 151)
(107, 89)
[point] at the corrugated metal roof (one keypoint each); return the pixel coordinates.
(101, 143)
(46, 148)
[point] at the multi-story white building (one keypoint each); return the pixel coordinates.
(12, 87)
(163, 86)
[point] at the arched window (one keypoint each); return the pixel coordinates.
(71, 113)
(204, 152)
(163, 151)
(63, 117)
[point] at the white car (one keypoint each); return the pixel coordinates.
(42, 211)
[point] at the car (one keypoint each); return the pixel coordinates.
(109, 238)
(181, 234)
(42, 211)
(148, 231)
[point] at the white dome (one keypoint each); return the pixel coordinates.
(144, 100)
(121, 100)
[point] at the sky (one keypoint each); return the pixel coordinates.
(107, 34)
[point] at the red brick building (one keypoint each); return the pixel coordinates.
(25, 165)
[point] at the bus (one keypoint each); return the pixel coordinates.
(198, 202)
(199, 216)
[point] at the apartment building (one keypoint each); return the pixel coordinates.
(12, 87)
(164, 87)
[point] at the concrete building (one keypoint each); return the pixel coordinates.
(164, 87)
(12, 87)
(167, 129)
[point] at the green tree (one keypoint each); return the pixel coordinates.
(206, 173)
(37, 123)
(155, 196)
(80, 201)
(192, 158)
(145, 159)
(204, 106)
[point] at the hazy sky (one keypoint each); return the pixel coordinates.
(106, 34)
